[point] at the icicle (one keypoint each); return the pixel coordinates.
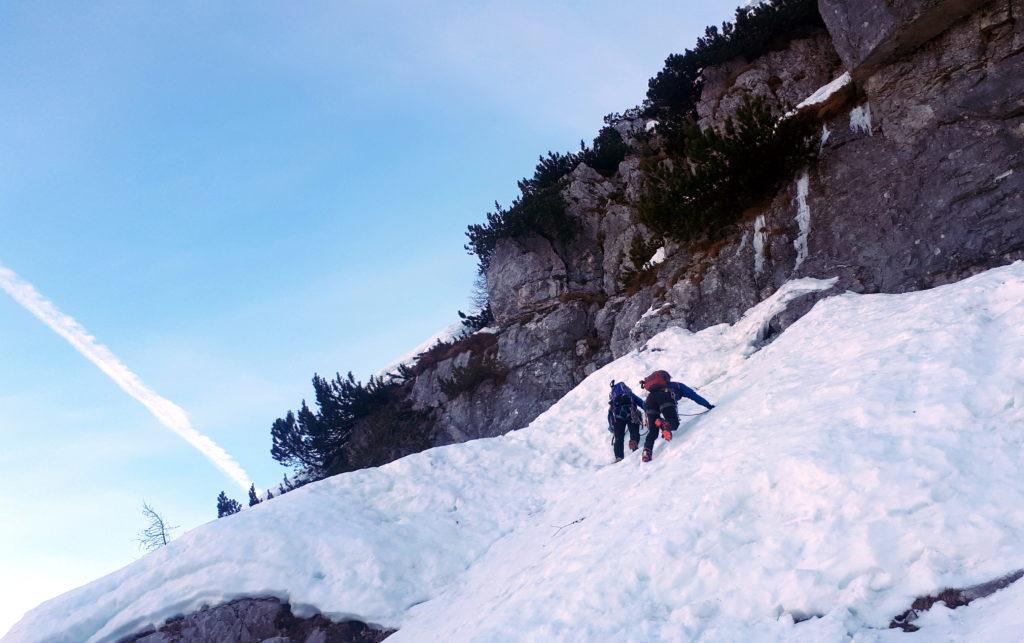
(860, 119)
(803, 218)
(760, 236)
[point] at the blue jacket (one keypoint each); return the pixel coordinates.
(633, 399)
(680, 390)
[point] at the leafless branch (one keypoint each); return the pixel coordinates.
(157, 532)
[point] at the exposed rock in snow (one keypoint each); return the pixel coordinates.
(258, 620)
(997, 618)
(953, 598)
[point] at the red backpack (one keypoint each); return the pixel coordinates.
(657, 379)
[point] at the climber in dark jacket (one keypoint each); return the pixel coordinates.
(624, 411)
(660, 407)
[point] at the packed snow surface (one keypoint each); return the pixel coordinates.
(872, 453)
(657, 258)
(823, 93)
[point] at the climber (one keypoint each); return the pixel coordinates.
(624, 411)
(660, 406)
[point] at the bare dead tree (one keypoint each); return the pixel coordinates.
(478, 296)
(157, 532)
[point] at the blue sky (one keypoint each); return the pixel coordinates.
(232, 196)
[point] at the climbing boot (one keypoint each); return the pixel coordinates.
(633, 445)
(646, 456)
(666, 435)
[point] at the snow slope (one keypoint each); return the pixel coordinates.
(870, 454)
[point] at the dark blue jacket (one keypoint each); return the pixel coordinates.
(633, 399)
(680, 390)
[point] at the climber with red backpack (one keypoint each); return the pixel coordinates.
(624, 410)
(660, 407)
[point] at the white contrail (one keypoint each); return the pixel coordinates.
(165, 411)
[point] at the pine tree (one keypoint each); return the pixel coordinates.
(227, 506)
(314, 441)
(253, 498)
(285, 486)
(478, 321)
(754, 31)
(549, 172)
(722, 173)
(539, 209)
(269, 494)
(608, 151)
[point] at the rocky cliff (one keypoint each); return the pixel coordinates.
(919, 182)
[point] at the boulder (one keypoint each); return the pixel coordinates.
(869, 33)
(258, 620)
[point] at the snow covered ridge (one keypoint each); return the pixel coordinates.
(871, 454)
(448, 333)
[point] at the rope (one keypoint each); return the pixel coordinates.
(558, 529)
(690, 415)
(643, 425)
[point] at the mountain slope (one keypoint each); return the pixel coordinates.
(870, 454)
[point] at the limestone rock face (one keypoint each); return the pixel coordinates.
(869, 33)
(525, 272)
(924, 185)
(783, 78)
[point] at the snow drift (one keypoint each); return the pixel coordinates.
(870, 454)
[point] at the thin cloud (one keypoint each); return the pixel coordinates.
(166, 412)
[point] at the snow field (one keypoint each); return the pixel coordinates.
(870, 454)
